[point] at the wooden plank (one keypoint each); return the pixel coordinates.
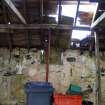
(41, 26)
(95, 23)
(15, 10)
(98, 71)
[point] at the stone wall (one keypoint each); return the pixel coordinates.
(27, 64)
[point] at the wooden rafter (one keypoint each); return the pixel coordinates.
(41, 19)
(9, 35)
(95, 23)
(41, 26)
(15, 10)
(77, 12)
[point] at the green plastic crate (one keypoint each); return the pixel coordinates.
(74, 89)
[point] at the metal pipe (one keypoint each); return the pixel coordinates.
(98, 71)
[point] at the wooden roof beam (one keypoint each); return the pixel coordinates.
(95, 23)
(41, 26)
(15, 10)
(77, 12)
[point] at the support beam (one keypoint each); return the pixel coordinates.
(46, 5)
(4, 13)
(48, 55)
(15, 10)
(41, 14)
(41, 8)
(76, 12)
(6, 20)
(81, 28)
(10, 41)
(94, 15)
(98, 71)
(40, 26)
(95, 23)
(27, 35)
(59, 11)
(65, 2)
(4, 30)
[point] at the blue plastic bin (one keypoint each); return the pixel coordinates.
(39, 93)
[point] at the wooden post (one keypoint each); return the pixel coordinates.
(98, 71)
(59, 11)
(47, 55)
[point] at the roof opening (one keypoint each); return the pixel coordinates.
(85, 13)
(80, 34)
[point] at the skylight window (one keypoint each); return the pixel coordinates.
(89, 7)
(80, 34)
(85, 13)
(55, 16)
(69, 10)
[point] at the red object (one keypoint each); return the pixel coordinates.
(60, 99)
